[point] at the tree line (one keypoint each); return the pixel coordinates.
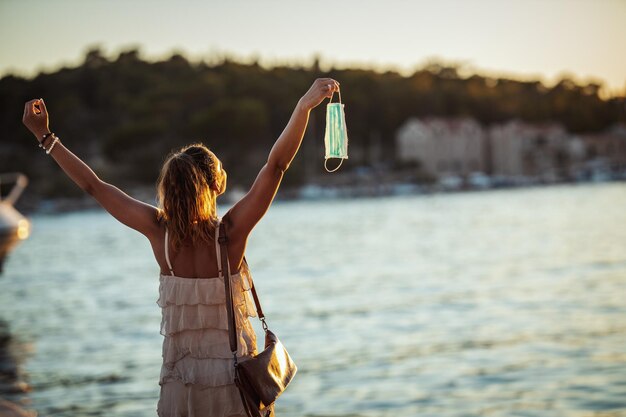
(123, 114)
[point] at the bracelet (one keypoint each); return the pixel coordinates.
(54, 142)
(43, 139)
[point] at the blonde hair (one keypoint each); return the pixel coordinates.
(186, 201)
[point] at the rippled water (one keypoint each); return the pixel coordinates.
(499, 303)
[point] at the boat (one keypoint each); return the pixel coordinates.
(14, 227)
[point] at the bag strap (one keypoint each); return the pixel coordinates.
(230, 312)
(225, 272)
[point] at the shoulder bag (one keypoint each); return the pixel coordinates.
(261, 378)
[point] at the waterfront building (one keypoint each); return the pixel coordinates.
(512, 152)
(519, 149)
(442, 147)
(607, 150)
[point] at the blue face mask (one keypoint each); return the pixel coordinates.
(336, 136)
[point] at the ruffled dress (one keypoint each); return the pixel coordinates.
(197, 375)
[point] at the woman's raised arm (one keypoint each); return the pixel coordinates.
(133, 213)
(247, 212)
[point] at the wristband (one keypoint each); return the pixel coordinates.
(44, 137)
(54, 142)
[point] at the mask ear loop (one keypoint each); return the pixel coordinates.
(332, 95)
(326, 160)
(332, 170)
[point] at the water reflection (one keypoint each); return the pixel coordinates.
(13, 386)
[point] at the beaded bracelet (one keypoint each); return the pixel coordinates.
(43, 139)
(54, 142)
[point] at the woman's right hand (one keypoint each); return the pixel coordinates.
(35, 118)
(322, 88)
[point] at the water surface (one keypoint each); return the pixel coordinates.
(498, 303)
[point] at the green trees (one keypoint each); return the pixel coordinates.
(129, 112)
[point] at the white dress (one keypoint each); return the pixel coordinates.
(197, 375)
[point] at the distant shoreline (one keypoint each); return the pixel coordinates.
(311, 192)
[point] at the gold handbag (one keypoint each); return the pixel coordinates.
(261, 378)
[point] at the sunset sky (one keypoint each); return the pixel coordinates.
(522, 39)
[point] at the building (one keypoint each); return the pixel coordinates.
(442, 147)
(519, 149)
(606, 150)
(514, 151)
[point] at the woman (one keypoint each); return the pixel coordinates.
(197, 372)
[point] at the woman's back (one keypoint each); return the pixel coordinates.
(195, 260)
(190, 260)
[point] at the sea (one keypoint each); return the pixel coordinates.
(491, 303)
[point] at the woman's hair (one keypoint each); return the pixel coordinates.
(185, 199)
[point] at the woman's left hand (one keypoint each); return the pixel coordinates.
(36, 118)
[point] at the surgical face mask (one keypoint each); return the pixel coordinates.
(336, 136)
